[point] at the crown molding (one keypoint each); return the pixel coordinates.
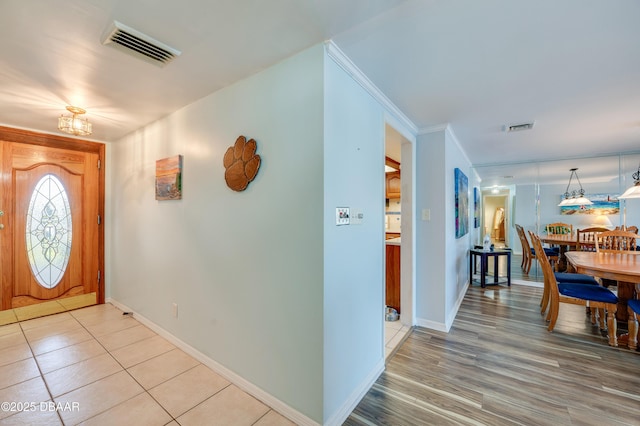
(457, 142)
(433, 129)
(343, 61)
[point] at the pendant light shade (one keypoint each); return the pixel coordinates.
(74, 124)
(634, 191)
(575, 197)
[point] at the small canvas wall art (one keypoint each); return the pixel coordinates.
(462, 203)
(603, 204)
(169, 178)
(476, 207)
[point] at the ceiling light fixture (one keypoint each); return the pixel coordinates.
(634, 191)
(575, 197)
(74, 124)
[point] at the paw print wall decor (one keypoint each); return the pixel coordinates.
(241, 164)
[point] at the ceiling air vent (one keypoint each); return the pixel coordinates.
(138, 44)
(517, 127)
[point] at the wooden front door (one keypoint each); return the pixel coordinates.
(50, 233)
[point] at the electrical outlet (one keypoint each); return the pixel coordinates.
(342, 216)
(174, 310)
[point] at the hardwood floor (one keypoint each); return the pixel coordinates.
(499, 365)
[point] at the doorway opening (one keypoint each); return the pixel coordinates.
(51, 234)
(398, 239)
(496, 217)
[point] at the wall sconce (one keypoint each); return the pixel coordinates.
(575, 197)
(74, 124)
(634, 191)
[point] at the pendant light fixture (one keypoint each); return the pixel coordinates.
(575, 197)
(634, 191)
(74, 124)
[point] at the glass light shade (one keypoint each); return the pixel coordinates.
(578, 201)
(581, 201)
(633, 192)
(74, 124)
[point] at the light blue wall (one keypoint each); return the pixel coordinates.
(266, 284)
(442, 266)
(431, 236)
(354, 254)
(246, 269)
(457, 258)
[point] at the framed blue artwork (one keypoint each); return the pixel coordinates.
(603, 204)
(476, 207)
(462, 203)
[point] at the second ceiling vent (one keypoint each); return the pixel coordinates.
(134, 42)
(518, 127)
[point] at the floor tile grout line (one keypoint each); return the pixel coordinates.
(214, 394)
(86, 384)
(144, 390)
(265, 414)
(92, 337)
(35, 360)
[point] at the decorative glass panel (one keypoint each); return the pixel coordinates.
(48, 231)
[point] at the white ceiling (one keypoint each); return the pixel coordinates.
(571, 65)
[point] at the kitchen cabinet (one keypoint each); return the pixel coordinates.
(393, 276)
(392, 185)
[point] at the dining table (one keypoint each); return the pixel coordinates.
(623, 267)
(566, 242)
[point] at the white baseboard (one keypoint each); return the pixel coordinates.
(528, 283)
(350, 404)
(273, 402)
(437, 326)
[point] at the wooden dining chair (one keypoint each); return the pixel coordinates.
(559, 228)
(616, 241)
(577, 294)
(564, 277)
(551, 254)
(586, 238)
(526, 249)
(627, 228)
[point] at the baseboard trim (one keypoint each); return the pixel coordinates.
(437, 326)
(528, 283)
(268, 399)
(354, 399)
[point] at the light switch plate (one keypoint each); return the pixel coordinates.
(342, 216)
(426, 214)
(357, 217)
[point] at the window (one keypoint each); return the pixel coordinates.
(48, 231)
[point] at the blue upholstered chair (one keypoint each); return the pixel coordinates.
(564, 278)
(633, 308)
(577, 294)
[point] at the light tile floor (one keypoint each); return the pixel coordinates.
(56, 306)
(99, 367)
(394, 334)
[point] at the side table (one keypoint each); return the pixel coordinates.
(484, 263)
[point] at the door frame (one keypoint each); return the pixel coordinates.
(8, 134)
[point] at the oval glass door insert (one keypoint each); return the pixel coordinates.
(48, 231)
